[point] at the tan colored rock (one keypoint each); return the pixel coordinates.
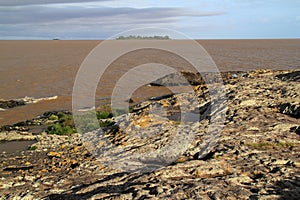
(54, 154)
(29, 178)
(297, 164)
(77, 149)
(280, 162)
(27, 163)
(283, 127)
(213, 170)
(241, 180)
(249, 103)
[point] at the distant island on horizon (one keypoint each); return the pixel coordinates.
(138, 37)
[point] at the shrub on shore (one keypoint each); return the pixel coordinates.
(63, 124)
(59, 129)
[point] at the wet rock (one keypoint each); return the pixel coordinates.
(6, 104)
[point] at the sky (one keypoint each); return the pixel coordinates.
(102, 19)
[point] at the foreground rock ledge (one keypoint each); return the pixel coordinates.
(257, 156)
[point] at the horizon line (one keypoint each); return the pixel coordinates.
(101, 39)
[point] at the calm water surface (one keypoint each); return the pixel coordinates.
(48, 68)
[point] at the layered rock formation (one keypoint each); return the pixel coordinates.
(255, 156)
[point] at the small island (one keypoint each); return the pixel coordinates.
(138, 37)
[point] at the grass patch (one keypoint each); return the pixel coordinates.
(286, 144)
(32, 148)
(64, 123)
(263, 145)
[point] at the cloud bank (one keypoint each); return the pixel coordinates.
(41, 2)
(44, 19)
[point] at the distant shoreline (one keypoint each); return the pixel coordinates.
(173, 39)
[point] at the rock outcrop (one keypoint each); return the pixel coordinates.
(255, 156)
(5, 104)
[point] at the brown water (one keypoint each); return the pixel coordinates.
(48, 68)
(13, 146)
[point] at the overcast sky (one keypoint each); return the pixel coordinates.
(101, 19)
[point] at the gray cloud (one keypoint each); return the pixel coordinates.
(41, 2)
(45, 14)
(77, 21)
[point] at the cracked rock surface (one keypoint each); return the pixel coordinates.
(255, 156)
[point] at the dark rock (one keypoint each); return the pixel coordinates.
(295, 129)
(161, 97)
(17, 168)
(206, 156)
(291, 109)
(130, 100)
(11, 103)
(292, 76)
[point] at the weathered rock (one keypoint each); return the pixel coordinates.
(241, 180)
(54, 154)
(180, 78)
(14, 135)
(256, 156)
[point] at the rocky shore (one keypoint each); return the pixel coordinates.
(7, 104)
(256, 155)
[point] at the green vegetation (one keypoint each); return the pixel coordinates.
(53, 117)
(134, 37)
(263, 145)
(177, 123)
(32, 148)
(59, 129)
(64, 123)
(103, 115)
(106, 123)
